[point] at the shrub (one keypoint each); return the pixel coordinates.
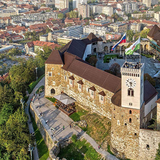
(74, 138)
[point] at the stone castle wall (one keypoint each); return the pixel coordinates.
(42, 129)
(148, 144)
(125, 125)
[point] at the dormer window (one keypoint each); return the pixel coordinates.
(71, 81)
(101, 96)
(80, 85)
(92, 91)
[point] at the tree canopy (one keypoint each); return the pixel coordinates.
(143, 33)
(130, 35)
(60, 15)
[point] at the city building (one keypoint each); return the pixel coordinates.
(135, 27)
(61, 4)
(83, 10)
(157, 16)
(119, 27)
(129, 102)
(5, 21)
(113, 36)
(147, 14)
(101, 23)
(38, 45)
(98, 31)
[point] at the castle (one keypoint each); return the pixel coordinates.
(129, 102)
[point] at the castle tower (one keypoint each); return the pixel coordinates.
(132, 85)
(125, 122)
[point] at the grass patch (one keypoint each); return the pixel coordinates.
(34, 83)
(107, 58)
(147, 55)
(40, 89)
(41, 146)
(94, 121)
(51, 99)
(109, 150)
(79, 112)
(79, 150)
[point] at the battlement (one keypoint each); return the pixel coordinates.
(132, 66)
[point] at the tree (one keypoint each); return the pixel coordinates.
(130, 34)
(92, 60)
(115, 69)
(143, 33)
(149, 78)
(22, 75)
(43, 55)
(6, 95)
(14, 136)
(158, 153)
(15, 51)
(48, 30)
(60, 15)
(6, 111)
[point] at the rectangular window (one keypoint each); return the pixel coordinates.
(79, 86)
(71, 82)
(65, 78)
(92, 93)
(50, 74)
(102, 98)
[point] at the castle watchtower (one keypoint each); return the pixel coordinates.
(132, 85)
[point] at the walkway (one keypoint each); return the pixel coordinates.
(31, 130)
(58, 123)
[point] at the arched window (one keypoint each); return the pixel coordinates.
(130, 92)
(130, 120)
(130, 112)
(52, 91)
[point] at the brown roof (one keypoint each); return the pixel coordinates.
(30, 44)
(102, 93)
(54, 58)
(153, 31)
(72, 78)
(116, 98)
(158, 101)
(149, 91)
(80, 82)
(92, 88)
(101, 78)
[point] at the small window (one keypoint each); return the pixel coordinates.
(147, 146)
(102, 98)
(52, 69)
(71, 82)
(50, 74)
(92, 93)
(130, 104)
(130, 112)
(125, 124)
(65, 78)
(79, 86)
(130, 120)
(135, 134)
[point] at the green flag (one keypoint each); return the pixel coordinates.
(135, 46)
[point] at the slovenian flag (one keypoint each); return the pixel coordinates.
(122, 40)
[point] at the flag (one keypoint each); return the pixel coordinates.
(135, 46)
(122, 40)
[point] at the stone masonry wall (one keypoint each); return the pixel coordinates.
(53, 81)
(44, 132)
(148, 144)
(84, 97)
(125, 132)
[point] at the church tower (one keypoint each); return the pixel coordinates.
(132, 85)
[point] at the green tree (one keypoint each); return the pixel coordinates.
(158, 153)
(15, 51)
(115, 69)
(143, 33)
(6, 95)
(21, 75)
(48, 30)
(43, 55)
(14, 136)
(60, 15)
(130, 34)
(6, 111)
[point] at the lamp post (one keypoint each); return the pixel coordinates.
(36, 73)
(30, 149)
